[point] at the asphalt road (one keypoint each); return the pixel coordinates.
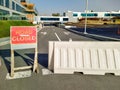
(76, 81)
(52, 33)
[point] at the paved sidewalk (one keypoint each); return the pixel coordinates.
(4, 41)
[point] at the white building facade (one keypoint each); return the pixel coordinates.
(13, 9)
(74, 16)
(51, 19)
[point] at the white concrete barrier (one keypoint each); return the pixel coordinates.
(70, 26)
(88, 57)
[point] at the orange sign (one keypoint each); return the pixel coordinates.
(23, 34)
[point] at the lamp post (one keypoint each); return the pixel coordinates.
(85, 30)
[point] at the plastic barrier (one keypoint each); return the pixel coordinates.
(88, 57)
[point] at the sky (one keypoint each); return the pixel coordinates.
(47, 7)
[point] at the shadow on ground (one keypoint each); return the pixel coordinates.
(6, 56)
(42, 59)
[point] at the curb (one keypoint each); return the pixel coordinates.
(4, 41)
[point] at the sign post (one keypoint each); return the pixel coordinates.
(23, 37)
(0, 62)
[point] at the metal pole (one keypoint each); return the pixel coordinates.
(85, 31)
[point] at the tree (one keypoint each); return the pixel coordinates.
(55, 14)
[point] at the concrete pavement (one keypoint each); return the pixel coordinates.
(4, 41)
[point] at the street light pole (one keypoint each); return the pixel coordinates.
(85, 31)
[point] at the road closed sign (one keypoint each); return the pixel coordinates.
(23, 35)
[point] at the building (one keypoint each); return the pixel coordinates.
(30, 10)
(17, 10)
(50, 19)
(75, 16)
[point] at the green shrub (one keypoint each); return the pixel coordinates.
(5, 26)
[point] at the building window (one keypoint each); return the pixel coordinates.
(89, 14)
(2, 2)
(15, 14)
(7, 3)
(117, 15)
(19, 8)
(112, 14)
(3, 12)
(23, 0)
(64, 14)
(24, 18)
(13, 5)
(65, 19)
(49, 19)
(107, 14)
(75, 14)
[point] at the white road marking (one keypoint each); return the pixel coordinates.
(44, 33)
(21, 74)
(57, 37)
(46, 72)
(67, 33)
(70, 39)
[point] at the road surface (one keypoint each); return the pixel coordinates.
(76, 81)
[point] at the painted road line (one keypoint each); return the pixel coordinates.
(70, 39)
(46, 72)
(20, 74)
(66, 33)
(57, 37)
(44, 33)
